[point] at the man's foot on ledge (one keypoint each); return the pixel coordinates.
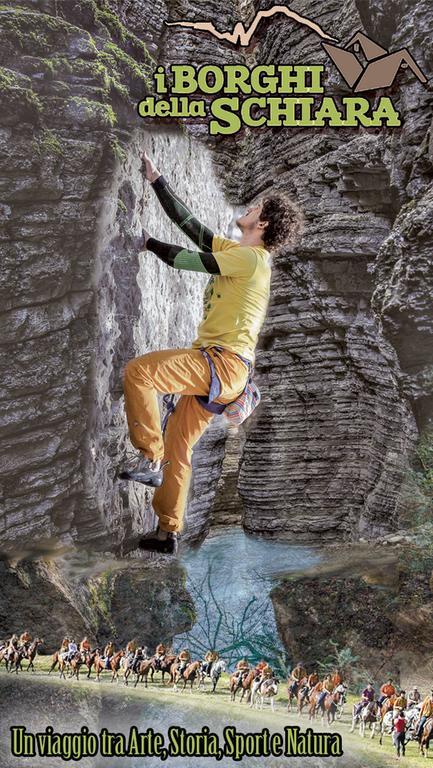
(142, 470)
(159, 541)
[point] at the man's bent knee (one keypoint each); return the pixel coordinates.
(135, 369)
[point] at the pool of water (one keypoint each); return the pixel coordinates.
(230, 577)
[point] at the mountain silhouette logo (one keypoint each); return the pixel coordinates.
(380, 70)
(239, 35)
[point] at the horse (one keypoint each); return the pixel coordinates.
(412, 718)
(303, 692)
(54, 662)
(332, 702)
(313, 696)
(99, 664)
(32, 651)
(426, 736)
(89, 660)
(387, 705)
(64, 663)
(14, 659)
(189, 675)
(75, 664)
(115, 665)
(243, 681)
(267, 689)
(369, 716)
(163, 666)
(293, 688)
(328, 704)
(341, 689)
(126, 664)
(216, 670)
(143, 669)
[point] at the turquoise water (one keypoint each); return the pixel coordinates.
(230, 577)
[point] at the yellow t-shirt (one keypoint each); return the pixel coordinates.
(235, 302)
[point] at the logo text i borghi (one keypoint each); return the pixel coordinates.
(280, 95)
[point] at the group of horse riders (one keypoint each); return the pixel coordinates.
(262, 671)
(300, 684)
(310, 690)
(135, 654)
(258, 682)
(19, 647)
(404, 710)
(388, 692)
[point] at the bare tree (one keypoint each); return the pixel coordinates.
(249, 633)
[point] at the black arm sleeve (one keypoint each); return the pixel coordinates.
(180, 258)
(181, 215)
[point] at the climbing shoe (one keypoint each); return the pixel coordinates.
(153, 543)
(142, 470)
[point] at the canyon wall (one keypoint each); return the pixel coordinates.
(79, 299)
(344, 377)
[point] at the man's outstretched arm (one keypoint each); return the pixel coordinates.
(180, 258)
(176, 209)
(240, 261)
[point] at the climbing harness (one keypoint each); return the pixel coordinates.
(235, 412)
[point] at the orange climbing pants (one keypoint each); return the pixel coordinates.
(185, 372)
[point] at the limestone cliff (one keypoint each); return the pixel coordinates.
(78, 298)
(371, 605)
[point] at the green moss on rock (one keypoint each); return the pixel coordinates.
(47, 143)
(16, 91)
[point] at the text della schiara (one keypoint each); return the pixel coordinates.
(265, 95)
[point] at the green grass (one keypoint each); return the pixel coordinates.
(367, 750)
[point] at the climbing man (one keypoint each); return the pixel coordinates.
(215, 369)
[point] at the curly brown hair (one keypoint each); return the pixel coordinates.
(285, 219)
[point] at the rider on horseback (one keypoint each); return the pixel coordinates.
(242, 668)
(137, 659)
(296, 675)
(85, 648)
(387, 690)
(266, 673)
(160, 654)
(209, 659)
(184, 659)
(414, 697)
(13, 643)
(327, 687)
(426, 712)
(399, 703)
(25, 639)
(72, 650)
(108, 653)
(311, 682)
(368, 695)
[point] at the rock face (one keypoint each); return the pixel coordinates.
(342, 377)
(79, 300)
(141, 600)
(377, 605)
